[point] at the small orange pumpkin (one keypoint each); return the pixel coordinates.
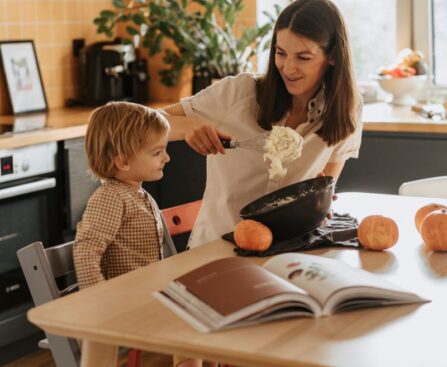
(424, 211)
(252, 235)
(377, 232)
(434, 230)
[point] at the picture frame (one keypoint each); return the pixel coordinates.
(22, 75)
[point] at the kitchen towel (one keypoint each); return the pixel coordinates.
(339, 231)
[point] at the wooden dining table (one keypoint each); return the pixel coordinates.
(123, 311)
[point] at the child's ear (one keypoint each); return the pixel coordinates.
(121, 164)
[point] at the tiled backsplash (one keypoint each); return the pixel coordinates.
(53, 24)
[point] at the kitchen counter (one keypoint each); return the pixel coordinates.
(69, 123)
(59, 124)
(383, 117)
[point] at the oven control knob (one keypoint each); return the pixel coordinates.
(25, 166)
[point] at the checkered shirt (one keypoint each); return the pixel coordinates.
(121, 230)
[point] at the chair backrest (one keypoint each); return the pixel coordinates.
(433, 187)
(41, 268)
(180, 219)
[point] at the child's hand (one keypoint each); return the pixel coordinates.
(204, 139)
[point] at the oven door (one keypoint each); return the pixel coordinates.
(25, 208)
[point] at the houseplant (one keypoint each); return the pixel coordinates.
(203, 32)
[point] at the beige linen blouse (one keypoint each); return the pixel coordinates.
(240, 176)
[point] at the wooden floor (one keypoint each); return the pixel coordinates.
(42, 358)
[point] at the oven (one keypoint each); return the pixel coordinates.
(29, 211)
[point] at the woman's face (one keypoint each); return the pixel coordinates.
(301, 63)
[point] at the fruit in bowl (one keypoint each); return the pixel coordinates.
(408, 63)
(405, 78)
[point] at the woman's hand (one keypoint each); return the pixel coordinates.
(200, 136)
(334, 197)
(204, 138)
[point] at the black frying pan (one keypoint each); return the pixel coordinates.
(310, 202)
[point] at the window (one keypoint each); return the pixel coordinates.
(261, 7)
(439, 31)
(372, 29)
(380, 29)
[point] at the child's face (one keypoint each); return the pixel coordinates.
(148, 163)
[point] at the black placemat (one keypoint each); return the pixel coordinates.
(339, 231)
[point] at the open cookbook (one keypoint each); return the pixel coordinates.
(233, 291)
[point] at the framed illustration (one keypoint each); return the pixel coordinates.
(22, 75)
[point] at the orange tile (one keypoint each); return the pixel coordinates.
(60, 33)
(3, 33)
(29, 10)
(44, 55)
(79, 11)
(71, 10)
(14, 32)
(45, 11)
(59, 10)
(44, 34)
(14, 11)
(47, 77)
(29, 31)
(58, 78)
(72, 31)
(3, 13)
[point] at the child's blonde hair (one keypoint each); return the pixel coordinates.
(120, 129)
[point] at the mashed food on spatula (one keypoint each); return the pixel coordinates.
(283, 145)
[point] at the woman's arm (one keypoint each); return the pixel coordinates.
(200, 136)
(333, 169)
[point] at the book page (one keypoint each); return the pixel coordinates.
(323, 277)
(231, 284)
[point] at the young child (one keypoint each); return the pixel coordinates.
(121, 229)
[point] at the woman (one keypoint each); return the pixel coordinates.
(309, 86)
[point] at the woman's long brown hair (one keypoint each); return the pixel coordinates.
(321, 22)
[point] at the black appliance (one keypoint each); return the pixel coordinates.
(28, 212)
(111, 71)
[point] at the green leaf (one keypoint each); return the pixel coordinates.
(138, 18)
(100, 21)
(132, 31)
(119, 4)
(107, 14)
(102, 29)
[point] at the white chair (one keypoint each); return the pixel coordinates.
(433, 187)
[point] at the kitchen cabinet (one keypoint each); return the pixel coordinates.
(387, 159)
(183, 181)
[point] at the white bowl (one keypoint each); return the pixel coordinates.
(404, 90)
